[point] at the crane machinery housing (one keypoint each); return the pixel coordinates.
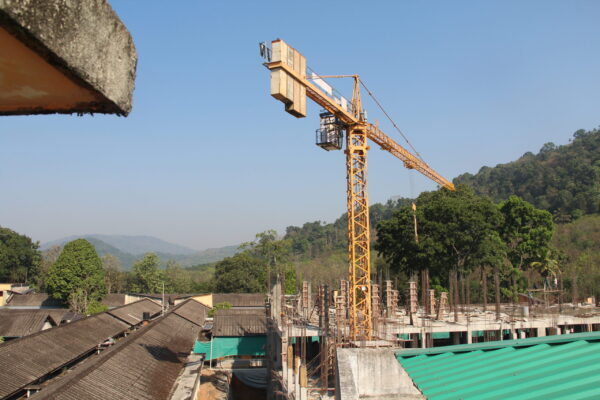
(291, 82)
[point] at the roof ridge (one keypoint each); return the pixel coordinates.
(553, 339)
(106, 355)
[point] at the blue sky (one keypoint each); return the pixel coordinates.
(207, 158)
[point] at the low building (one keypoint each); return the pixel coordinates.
(235, 333)
(7, 290)
(557, 367)
(236, 300)
(145, 365)
(37, 357)
(34, 301)
(15, 323)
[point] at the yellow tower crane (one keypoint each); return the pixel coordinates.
(291, 83)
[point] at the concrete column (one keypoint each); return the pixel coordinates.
(297, 377)
(541, 331)
(415, 340)
(303, 393)
(455, 337)
(522, 334)
(423, 339)
(469, 336)
(291, 387)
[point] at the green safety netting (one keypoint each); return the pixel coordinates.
(232, 346)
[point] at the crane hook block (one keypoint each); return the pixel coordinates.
(285, 63)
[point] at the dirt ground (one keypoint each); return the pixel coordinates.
(214, 385)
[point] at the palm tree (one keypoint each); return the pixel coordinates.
(547, 266)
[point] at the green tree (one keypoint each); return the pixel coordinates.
(217, 307)
(527, 232)
(49, 257)
(19, 256)
(241, 273)
(77, 276)
(275, 255)
(147, 277)
(113, 276)
(561, 179)
(95, 307)
(177, 280)
(492, 253)
(452, 227)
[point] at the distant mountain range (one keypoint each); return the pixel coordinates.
(128, 249)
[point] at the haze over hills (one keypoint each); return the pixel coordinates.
(138, 244)
(128, 249)
(562, 179)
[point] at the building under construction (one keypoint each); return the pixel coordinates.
(310, 354)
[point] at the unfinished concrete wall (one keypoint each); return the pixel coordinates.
(83, 39)
(372, 373)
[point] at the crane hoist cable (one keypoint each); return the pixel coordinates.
(390, 119)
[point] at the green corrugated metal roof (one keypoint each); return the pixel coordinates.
(553, 367)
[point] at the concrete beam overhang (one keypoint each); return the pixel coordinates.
(64, 56)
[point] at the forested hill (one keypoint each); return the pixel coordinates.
(564, 180)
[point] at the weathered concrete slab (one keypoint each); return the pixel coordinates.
(372, 374)
(64, 56)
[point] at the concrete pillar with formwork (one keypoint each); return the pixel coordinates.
(375, 304)
(340, 318)
(62, 56)
(413, 305)
(431, 303)
(344, 292)
(389, 299)
(306, 299)
(441, 309)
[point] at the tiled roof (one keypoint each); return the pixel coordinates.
(557, 367)
(240, 299)
(241, 324)
(35, 356)
(144, 365)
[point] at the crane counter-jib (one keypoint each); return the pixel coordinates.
(374, 133)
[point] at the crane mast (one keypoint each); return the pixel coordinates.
(291, 84)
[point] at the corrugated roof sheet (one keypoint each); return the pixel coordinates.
(240, 299)
(556, 367)
(241, 324)
(114, 299)
(193, 311)
(242, 311)
(133, 313)
(18, 323)
(35, 356)
(144, 365)
(34, 300)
